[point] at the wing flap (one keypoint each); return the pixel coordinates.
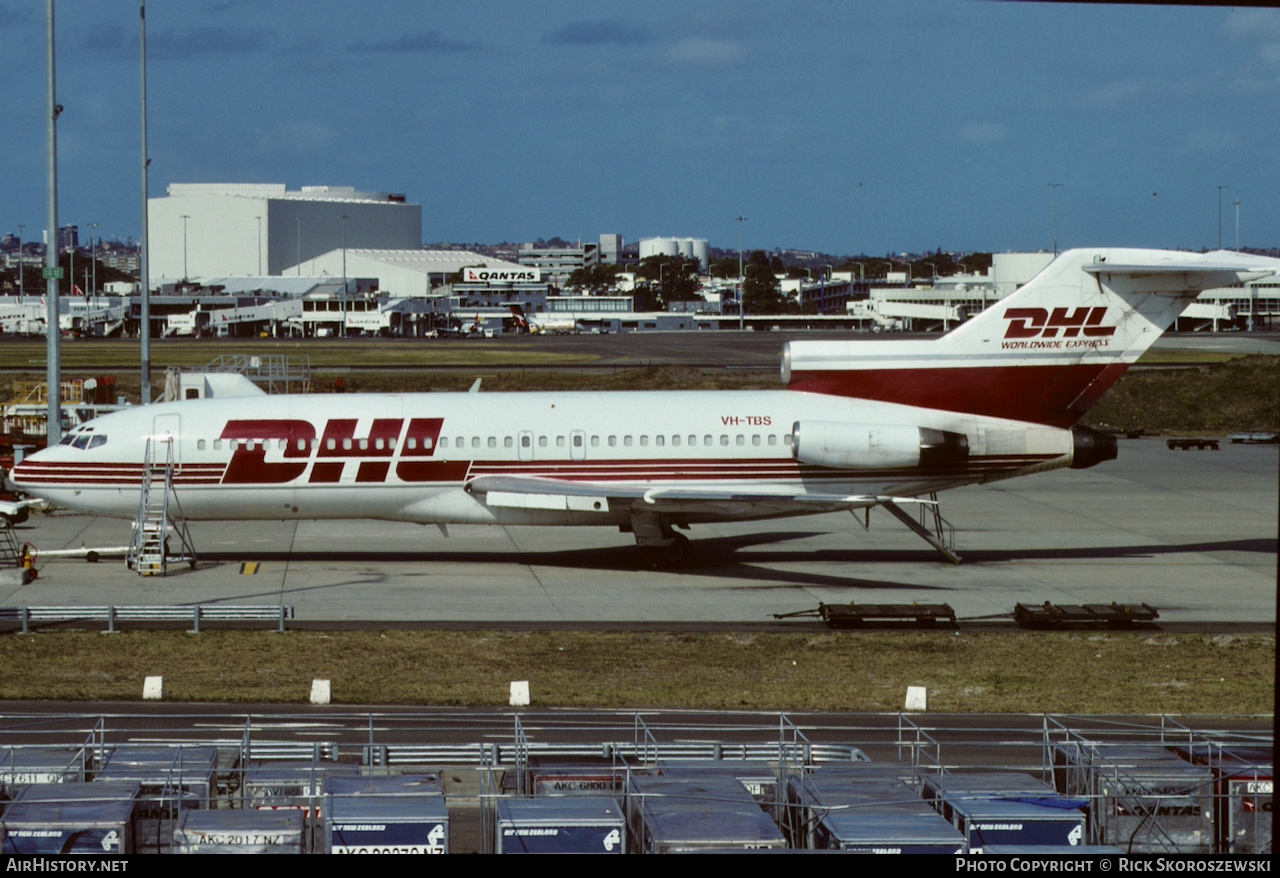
(557, 494)
(540, 499)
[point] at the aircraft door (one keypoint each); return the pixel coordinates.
(167, 429)
(525, 442)
(578, 445)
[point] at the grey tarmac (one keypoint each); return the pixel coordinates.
(1192, 533)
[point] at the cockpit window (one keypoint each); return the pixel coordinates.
(84, 439)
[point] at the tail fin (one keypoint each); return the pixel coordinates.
(1044, 354)
(518, 315)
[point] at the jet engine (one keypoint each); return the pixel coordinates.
(876, 446)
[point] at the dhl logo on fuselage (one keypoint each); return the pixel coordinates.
(337, 446)
(1040, 323)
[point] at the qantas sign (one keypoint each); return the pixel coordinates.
(502, 276)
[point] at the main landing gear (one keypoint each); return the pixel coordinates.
(660, 546)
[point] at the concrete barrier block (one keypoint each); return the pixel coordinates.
(917, 698)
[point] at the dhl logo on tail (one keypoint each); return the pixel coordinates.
(1041, 323)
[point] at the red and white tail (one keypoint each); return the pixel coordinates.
(517, 314)
(1045, 353)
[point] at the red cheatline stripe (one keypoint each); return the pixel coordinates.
(61, 473)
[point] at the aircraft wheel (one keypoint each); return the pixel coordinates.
(677, 553)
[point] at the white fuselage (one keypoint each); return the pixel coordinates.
(411, 457)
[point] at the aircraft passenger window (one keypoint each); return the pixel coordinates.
(675, 440)
(644, 441)
(773, 440)
(302, 444)
(391, 443)
(724, 440)
(613, 441)
(577, 441)
(559, 442)
(315, 443)
(595, 441)
(507, 443)
(659, 440)
(217, 444)
(542, 441)
(693, 440)
(526, 441)
(331, 444)
(282, 444)
(379, 444)
(444, 442)
(626, 440)
(755, 440)
(742, 440)
(412, 443)
(346, 444)
(199, 445)
(460, 442)
(364, 444)
(493, 441)
(786, 439)
(100, 439)
(475, 441)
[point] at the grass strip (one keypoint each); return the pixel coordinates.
(1018, 672)
(123, 354)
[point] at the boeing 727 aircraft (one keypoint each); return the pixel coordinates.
(860, 424)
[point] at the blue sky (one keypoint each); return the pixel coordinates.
(836, 126)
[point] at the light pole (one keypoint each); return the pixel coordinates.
(53, 361)
(144, 250)
(93, 256)
(21, 289)
(1055, 187)
(741, 285)
(185, 217)
(1237, 204)
(344, 219)
(1220, 188)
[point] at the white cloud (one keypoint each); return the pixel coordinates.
(1208, 140)
(1253, 24)
(982, 132)
(708, 52)
(297, 137)
(1113, 94)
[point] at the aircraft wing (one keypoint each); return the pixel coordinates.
(546, 493)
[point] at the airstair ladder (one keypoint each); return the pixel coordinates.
(150, 550)
(10, 553)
